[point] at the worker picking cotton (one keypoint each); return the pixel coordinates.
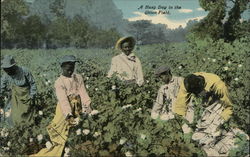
(23, 90)
(73, 101)
(167, 94)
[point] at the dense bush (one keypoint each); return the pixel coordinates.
(118, 130)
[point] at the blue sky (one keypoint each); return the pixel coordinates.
(190, 10)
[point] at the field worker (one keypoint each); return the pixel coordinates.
(73, 101)
(166, 95)
(126, 65)
(206, 85)
(22, 87)
(205, 95)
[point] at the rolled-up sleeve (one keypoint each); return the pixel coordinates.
(62, 99)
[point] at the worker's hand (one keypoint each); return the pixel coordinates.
(72, 121)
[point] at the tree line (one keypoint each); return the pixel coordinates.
(19, 29)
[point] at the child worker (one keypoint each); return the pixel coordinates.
(73, 100)
(167, 94)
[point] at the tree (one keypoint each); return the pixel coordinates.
(34, 32)
(79, 32)
(233, 24)
(212, 24)
(147, 33)
(12, 13)
(59, 33)
(222, 21)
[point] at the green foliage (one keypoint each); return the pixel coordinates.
(222, 22)
(11, 20)
(117, 130)
(21, 30)
(243, 146)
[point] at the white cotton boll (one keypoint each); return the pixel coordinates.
(113, 87)
(149, 92)
(6, 148)
(122, 141)
(147, 81)
(9, 143)
(48, 144)
(31, 140)
(87, 78)
(96, 89)
(204, 59)
(85, 131)
(240, 65)
(78, 132)
(7, 114)
(180, 67)
(2, 132)
(126, 106)
(44, 75)
(139, 109)
(83, 74)
(6, 134)
(229, 62)
(143, 136)
(236, 79)
(97, 134)
(39, 137)
(213, 60)
(49, 81)
(46, 83)
(225, 68)
(66, 150)
(128, 154)
(87, 86)
(1, 111)
(94, 112)
(208, 58)
(40, 113)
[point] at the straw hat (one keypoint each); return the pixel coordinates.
(122, 40)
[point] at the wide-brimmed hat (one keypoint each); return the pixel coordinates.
(122, 40)
(8, 61)
(162, 69)
(68, 58)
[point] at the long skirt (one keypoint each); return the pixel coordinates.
(58, 131)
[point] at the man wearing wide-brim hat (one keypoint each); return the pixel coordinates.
(126, 65)
(167, 94)
(23, 89)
